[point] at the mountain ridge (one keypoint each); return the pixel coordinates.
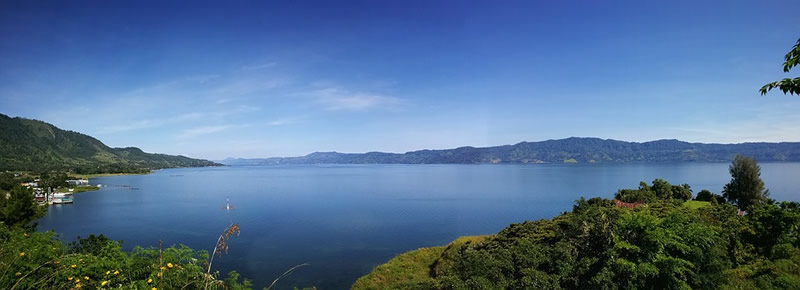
(34, 145)
(567, 150)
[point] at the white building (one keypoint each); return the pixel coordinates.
(78, 182)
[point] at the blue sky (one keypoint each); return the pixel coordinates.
(258, 79)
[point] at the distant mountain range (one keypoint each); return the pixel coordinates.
(569, 150)
(33, 145)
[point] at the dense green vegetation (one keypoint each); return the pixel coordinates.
(661, 189)
(18, 209)
(31, 145)
(36, 260)
(666, 243)
(570, 150)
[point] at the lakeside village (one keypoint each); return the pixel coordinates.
(49, 188)
(46, 195)
(49, 196)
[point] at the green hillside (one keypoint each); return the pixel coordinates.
(652, 237)
(32, 145)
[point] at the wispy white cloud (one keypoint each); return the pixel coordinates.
(148, 123)
(248, 86)
(248, 108)
(187, 116)
(337, 99)
(141, 124)
(170, 86)
(767, 124)
(202, 78)
(199, 131)
(284, 121)
(210, 129)
(258, 66)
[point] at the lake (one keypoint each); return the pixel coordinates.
(346, 219)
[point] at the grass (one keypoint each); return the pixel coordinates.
(695, 204)
(87, 176)
(411, 270)
(405, 271)
(78, 189)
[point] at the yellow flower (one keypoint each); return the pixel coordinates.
(108, 272)
(85, 277)
(73, 266)
(150, 280)
(162, 268)
(169, 265)
(25, 234)
(159, 275)
(116, 272)
(104, 283)
(18, 274)
(78, 286)
(22, 254)
(70, 278)
(154, 288)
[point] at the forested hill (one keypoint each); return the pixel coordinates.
(33, 145)
(570, 150)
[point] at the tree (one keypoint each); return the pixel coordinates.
(787, 85)
(704, 195)
(8, 181)
(54, 180)
(662, 188)
(636, 195)
(682, 192)
(746, 187)
(18, 207)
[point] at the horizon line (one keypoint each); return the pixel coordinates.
(483, 147)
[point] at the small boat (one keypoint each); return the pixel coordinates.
(62, 197)
(228, 206)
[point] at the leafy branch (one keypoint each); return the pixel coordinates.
(787, 85)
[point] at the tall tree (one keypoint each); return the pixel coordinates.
(746, 187)
(787, 85)
(18, 208)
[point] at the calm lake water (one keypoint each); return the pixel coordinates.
(345, 219)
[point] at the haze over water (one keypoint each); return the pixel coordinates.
(345, 219)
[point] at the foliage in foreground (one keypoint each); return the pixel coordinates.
(662, 245)
(411, 270)
(36, 260)
(787, 85)
(17, 208)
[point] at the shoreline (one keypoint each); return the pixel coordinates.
(95, 175)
